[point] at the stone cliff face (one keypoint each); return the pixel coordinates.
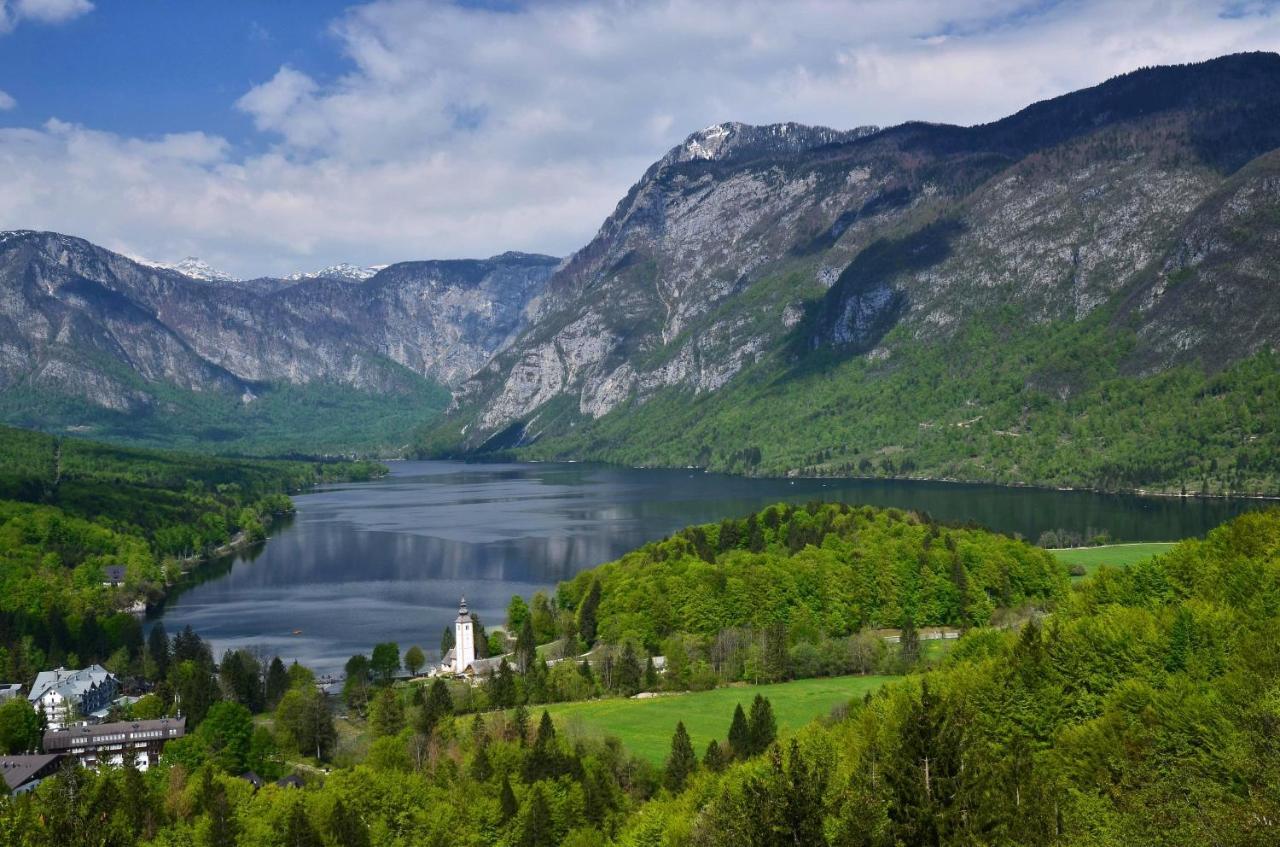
(101, 329)
(752, 244)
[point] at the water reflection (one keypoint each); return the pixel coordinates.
(387, 560)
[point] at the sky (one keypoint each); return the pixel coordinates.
(270, 137)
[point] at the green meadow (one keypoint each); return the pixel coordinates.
(645, 725)
(1114, 555)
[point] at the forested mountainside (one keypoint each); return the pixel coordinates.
(1083, 293)
(98, 343)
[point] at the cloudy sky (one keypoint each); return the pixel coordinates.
(270, 137)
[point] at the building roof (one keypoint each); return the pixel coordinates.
(480, 667)
(19, 770)
(290, 781)
(114, 573)
(112, 733)
(70, 684)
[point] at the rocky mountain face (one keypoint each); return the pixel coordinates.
(1146, 203)
(106, 332)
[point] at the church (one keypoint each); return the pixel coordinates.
(461, 659)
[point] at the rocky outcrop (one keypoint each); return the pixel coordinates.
(749, 244)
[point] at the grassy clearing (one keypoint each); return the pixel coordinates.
(645, 726)
(1115, 555)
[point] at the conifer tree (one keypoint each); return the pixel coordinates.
(650, 675)
(739, 734)
(520, 720)
(507, 801)
(714, 759)
(536, 827)
(629, 671)
(447, 642)
(587, 611)
(437, 704)
(386, 713)
(298, 831)
(526, 646)
(762, 727)
(481, 766)
(682, 762)
(909, 643)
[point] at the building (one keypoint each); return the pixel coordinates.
(9, 690)
(464, 640)
(24, 773)
(110, 743)
(65, 695)
(113, 576)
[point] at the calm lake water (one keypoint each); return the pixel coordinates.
(387, 560)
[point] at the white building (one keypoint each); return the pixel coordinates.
(63, 695)
(111, 743)
(464, 639)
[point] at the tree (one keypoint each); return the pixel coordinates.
(739, 734)
(19, 727)
(526, 646)
(481, 765)
(298, 831)
(629, 671)
(158, 651)
(414, 659)
(278, 682)
(355, 689)
(909, 643)
(682, 762)
(446, 642)
(543, 761)
(386, 713)
(521, 721)
(650, 675)
(587, 611)
(480, 636)
(536, 827)
(517, 613)
(714, 759)
(507, 801)
(762, 727)
(304, 719)
(241, 677)
(225, 734)
(346, 829)
(385, 661)
(437, 704)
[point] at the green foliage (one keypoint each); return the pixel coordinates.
(19, 727)
(840, 568)
(682, 762)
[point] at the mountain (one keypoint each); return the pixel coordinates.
(342, 270)
(95, 341)
(1083, 293)
(193, 268)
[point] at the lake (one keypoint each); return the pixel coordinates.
(387, 560)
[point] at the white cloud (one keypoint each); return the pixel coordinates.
(465, 131)
(41, 11)
(6, 101)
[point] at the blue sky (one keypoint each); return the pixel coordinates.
(267, 137)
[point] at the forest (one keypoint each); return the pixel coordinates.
(1136, 706)
(70, 509)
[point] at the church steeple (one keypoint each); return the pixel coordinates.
(464, 641)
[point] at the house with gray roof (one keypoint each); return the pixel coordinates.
(64, 695)
(24, 773)
(114, 743)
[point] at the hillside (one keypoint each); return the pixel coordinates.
(1080, 294)
(99, 344)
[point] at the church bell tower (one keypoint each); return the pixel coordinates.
(464, 639)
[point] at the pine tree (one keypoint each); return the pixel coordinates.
(629, 671)
(507, 801)
(543, 759)
(158, 650)
(909, 643)
(682, 762)
(587, 611)
(536, 827)
(447, 642)
(521, 724)
(650, 675)
(806, 786)
(739, 734)
(277, 682)
(762, 727)
(437, 704)
(298, 831)
(714, 759)
(481, 766)
(585, 670)
(386, 713)
(526, 646)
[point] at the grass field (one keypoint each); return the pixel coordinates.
(1115, 555)
(645, 726)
